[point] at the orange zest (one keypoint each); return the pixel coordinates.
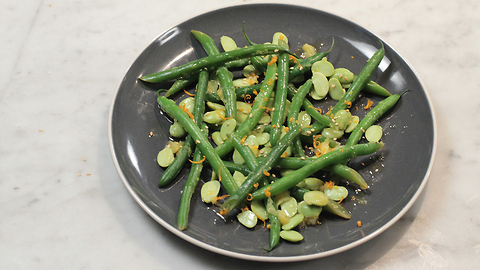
(185, 110)
(256, 185)
(263, 220)
(329, 184)
(198, 162)
(349, 103)
(319, 110)
(291, 57)
(369, 105)
(249, 197)
(359, 223)
(188, 93)
(316, 143)
(216, 199)
(273, 61)
(243, 139)
(223, 117)
(266, 173)
(247, 98)
(267, 191)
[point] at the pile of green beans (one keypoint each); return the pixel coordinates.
(261, 135)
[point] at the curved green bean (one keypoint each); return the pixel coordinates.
(373, 115)
(359, 82)
(211, 61)
(181, 84)
(305, 65)
(333, 157)
(222, 72)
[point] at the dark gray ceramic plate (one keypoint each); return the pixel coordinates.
(396, 176)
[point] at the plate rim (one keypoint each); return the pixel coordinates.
(295, 258)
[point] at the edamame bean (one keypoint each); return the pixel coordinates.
(214, 117)
(247, 218)
(374, 133)
(294, 222)
(165, 157)
(320, 85)
(292, 236)
(316, 197)
(238, 177)
(353, 124)
(228, 127)
(324, 67)
(335, 89)
(308, 50)
(210, 190)
(343, 75)
(337, 193)
(289, 207)
(258, 208)
(228, 44)
(309, 211)
(177, 130)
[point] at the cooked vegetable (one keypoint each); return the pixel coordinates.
(262, 137)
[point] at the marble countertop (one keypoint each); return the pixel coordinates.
(63, 205)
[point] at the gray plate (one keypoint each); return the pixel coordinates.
(396, 175)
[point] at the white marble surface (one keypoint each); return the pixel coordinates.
(63, 205)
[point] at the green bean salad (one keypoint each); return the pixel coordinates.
(261, 135)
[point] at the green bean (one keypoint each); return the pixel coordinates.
(333, 157)
(197, 166)
(245, 152)
(242, 92)
(275, 225)
(188, 189)
(258, 108)
(240, 63)
(360, 81)
(294, 163)
(260, 171)
(181, 158)
(222, 72)
(323, 120)
(211, 61)
(278, 114)
(373, 115)
(201, 141)
(374, 88)
(233, 167)
(305, 65)
(178, 163)
(297, 102)
(181, 84)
